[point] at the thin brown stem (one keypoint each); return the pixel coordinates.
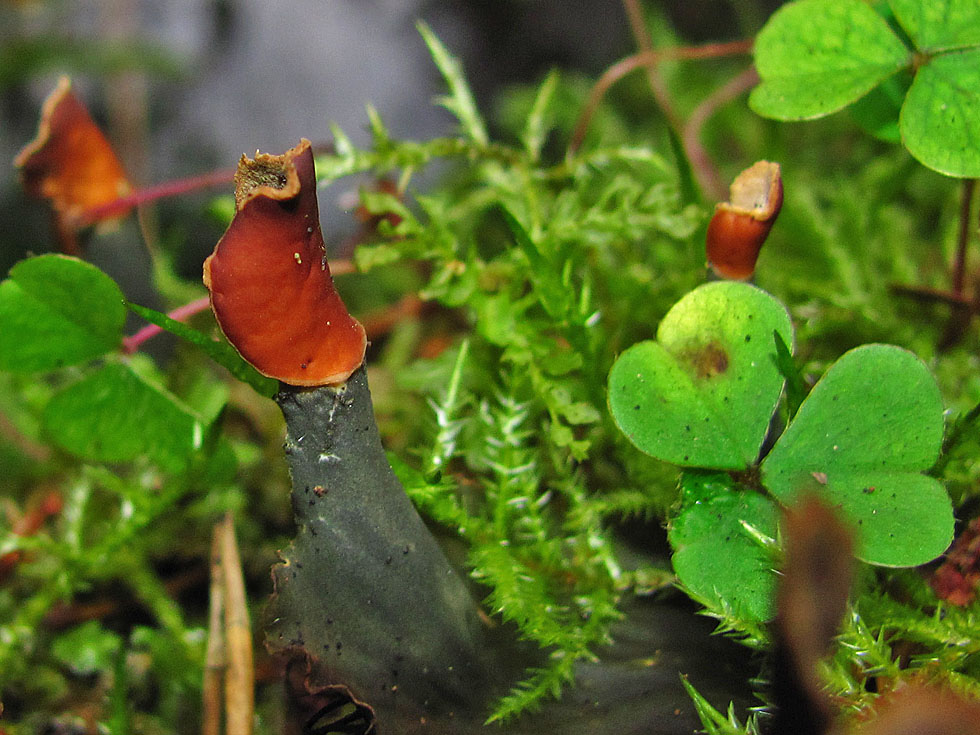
(240, 672)
(703, 167)
(637, 61)
(707, 172)
(928, 295)
(215, 658)
(963, 239)
(644, 43)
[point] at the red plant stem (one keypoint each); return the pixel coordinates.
(643, 41)
(132, 344)
(152, 193)
(710, 180)
(959, 264)
(637, 61)
(29, 524)
(705, 170)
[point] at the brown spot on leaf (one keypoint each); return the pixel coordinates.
(707, 361)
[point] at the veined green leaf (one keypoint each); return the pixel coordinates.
(114, 415)
(940, 120)
(56, 310)
(816, 57)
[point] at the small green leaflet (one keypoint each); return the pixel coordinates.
(56, 311)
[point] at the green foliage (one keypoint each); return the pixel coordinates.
(57, 311)
(527, 252)
(704, 396)
(716, 723)
(538, 270)
(864, 443)
(114, 415)
(816, 57)
(95, 408)
(703, 393)
(717, 553)
(460, 100)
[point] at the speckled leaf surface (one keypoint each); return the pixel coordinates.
(703, 393)
(815, 57)
(862, 440)
(940, 120)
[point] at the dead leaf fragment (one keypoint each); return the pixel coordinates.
(71, 164)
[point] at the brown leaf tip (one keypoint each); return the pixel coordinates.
(271, 289)
(816, 580)
(741, 225)
(268, 175)
(70, 162)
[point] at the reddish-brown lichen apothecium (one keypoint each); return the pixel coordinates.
(70, 163)
(270, 285)
(740, 226)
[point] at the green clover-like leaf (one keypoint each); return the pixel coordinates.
(862, 440)
(57, 311)
(716, 556)
(815, 57)
(939, 25)
(114, 415)
(940, 120)
(703, 394)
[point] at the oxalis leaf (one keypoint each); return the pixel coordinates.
(862, 439)
(56, 310)
(940, 120)
(816, 57)
(703, 394)
(114, 415)
(938, 25)
(716, 557)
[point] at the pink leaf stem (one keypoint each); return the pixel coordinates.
(152, 193)
(132, 344)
